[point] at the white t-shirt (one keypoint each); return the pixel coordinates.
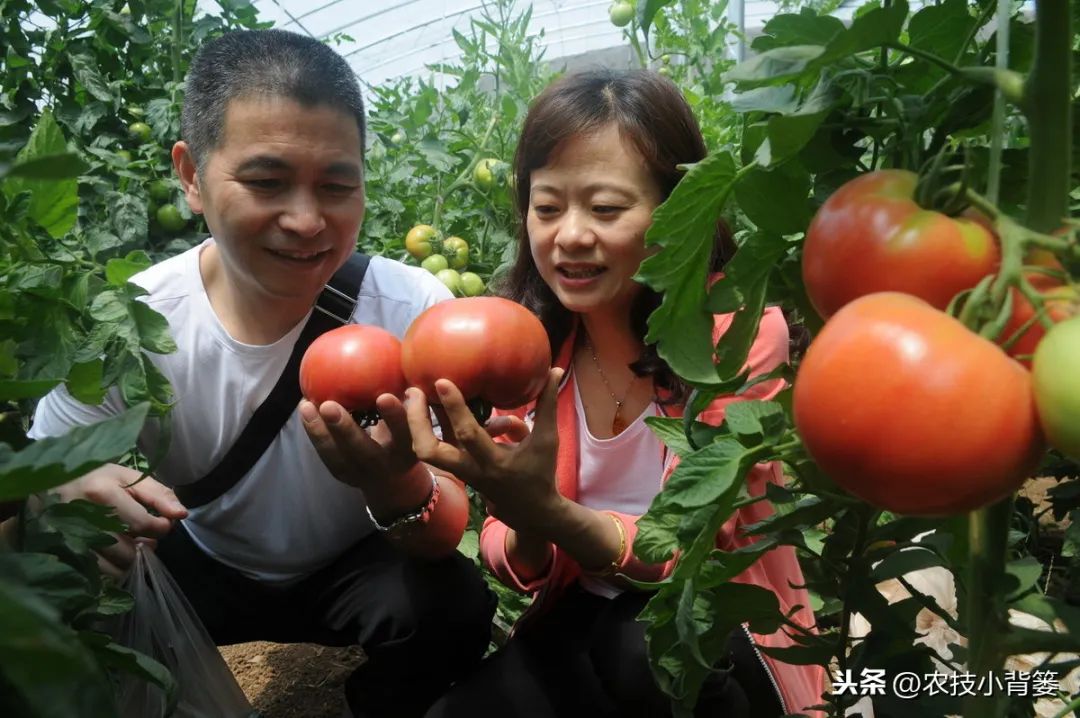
(289, 516)
(621, 474)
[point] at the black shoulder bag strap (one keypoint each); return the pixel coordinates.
(333, 308)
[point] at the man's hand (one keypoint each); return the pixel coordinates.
(355, 457)
(115, 486)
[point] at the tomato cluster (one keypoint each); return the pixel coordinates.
(493, 349)
(901, 404)
(445, 258)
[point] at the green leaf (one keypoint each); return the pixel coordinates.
(45, 663)
(646, 12)
(469, 546)
(50, 462)
(49, 167)
(119, 271)
(55, 583)
(941, 29)
(85, 69)
(124, 659)
(685, 228)
(54, 204)
(129, 218)
(670, 433)
(742, 290)
(756, 422)
(16, 389)
(878, 27)
(781, 63)
(436, 155)
(153, 329)
(1024, 574)
(806, 28)
(776, 200)
(84, 382)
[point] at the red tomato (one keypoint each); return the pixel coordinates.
(491, 348)
(910, 411)
(870, 236)
(352, 365)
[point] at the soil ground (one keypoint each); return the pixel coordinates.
(293, 680)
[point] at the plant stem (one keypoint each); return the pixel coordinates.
(1047, 95)
(997, 131)
(988, 531)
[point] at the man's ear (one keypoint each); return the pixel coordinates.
(187, 171)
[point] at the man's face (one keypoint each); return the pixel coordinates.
(283, 196)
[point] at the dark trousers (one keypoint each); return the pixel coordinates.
(587, 657)
(422, 624)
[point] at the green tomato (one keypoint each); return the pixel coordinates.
(452, 280)
(435, 263)
(621, 13)
(140, 131)
(418, 241)
(398, 137)
(472, 284)
(125, 157)
(1056, 383)
(664, 71)
(483, 173)
(456, 250)
(170, 219)
(160, 190)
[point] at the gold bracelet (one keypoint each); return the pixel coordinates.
(616, 564)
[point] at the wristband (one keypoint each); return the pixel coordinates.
(420, 516)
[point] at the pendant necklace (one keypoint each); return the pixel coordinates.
(618, 423)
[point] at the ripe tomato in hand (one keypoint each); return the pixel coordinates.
(490, 348)
(352, 365)
(871, 236)
(904, 407)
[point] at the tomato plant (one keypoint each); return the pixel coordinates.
(491, 348)
(904, 407)
(871, 236)
(1057, 386)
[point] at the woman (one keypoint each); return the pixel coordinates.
(598, 153)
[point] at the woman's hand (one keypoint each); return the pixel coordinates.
(517, 480)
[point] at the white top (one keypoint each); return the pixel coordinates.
(289, 516)
(621, 474)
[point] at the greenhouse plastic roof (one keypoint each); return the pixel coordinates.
(393, 38)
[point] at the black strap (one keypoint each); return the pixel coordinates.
(333, 308)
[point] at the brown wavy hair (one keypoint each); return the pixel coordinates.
(653, 115)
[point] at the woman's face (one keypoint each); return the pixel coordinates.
(589, 208)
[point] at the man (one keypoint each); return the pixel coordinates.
(272, 157)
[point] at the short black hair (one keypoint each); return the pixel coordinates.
(250, 63)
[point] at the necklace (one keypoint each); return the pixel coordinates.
(618, 423)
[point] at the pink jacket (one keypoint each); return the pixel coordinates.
(778, 570)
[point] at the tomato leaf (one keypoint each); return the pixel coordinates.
(742, 290)
(755, 423)
(54, 203)
(761, 191)
(118, 271)
(670, 433)
(49, 167)
(50, 462)
(85, 68)
(685, 228)
(49, 671)
(805, 28)
(646, 12)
